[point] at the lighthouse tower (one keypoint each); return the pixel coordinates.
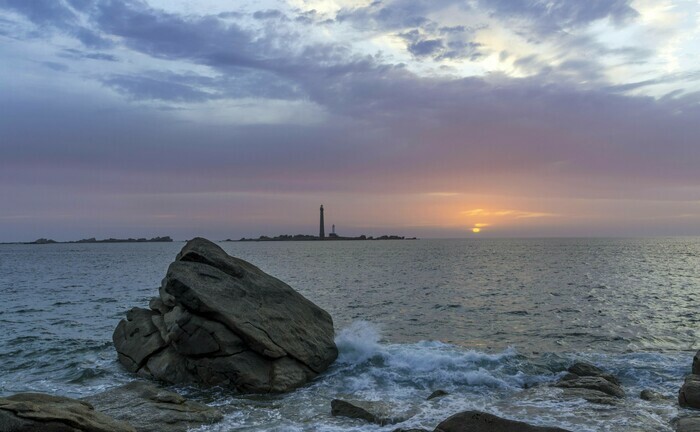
(322, 230)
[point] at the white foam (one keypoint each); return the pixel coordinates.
(358, 342)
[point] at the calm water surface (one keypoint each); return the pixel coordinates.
(484, 319)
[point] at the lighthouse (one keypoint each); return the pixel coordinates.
(322, 230)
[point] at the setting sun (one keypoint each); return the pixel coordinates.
(476, 230)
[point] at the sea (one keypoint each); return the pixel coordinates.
(490, 321)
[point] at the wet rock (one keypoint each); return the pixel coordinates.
(696, 364)
(410, 430)
(373, 412)
(652, 396)
(219, 320)
(437, 394)
(475, 421)
(27, 412)
(688, 424)
(149, 408)
(137, 338)
(592, 383)
(689, 394)
(590, 395)
(588, 382)
(583, 369)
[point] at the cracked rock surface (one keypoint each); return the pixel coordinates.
(149, 408)
(25, 412)
(220, 320)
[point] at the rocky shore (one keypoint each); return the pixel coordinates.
(220, 321)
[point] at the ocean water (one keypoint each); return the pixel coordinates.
(487, 320)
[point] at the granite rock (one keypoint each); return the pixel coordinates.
(220, 320)
(476, 421)
(28, 412)
(149, 408)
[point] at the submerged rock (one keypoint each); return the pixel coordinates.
(149, 408)
(373, 412)
(590, 395)
(476, 421)
(220, 320)
(437, 394)
(653, 396)
(26, 412)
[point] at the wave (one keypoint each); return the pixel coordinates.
(423, 365)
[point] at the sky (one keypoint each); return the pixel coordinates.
(428, 118)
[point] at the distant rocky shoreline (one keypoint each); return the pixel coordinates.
(43, 241)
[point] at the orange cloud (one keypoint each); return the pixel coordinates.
(517, 214)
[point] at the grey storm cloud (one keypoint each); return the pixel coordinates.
(159, 86)
(400, 14)
(553, 16)
(190, 87)
(454, 47)
(87, 55)
(270, 14)
(59, 15)
(425, 37)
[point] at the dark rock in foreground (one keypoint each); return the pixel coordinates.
(148, 408)
(410, 430)
(688, 424)
(373, 412)
(689, 394)
(220, 320)
(27, 412)
(475, 421)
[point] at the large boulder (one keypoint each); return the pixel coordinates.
(220, 320)
(149, 408)
(27, 412)
(476, 421)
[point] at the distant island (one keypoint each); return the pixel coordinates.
(330, 237)
(165, 239)
(321, 235)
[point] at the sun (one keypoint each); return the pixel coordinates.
(476, 230)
